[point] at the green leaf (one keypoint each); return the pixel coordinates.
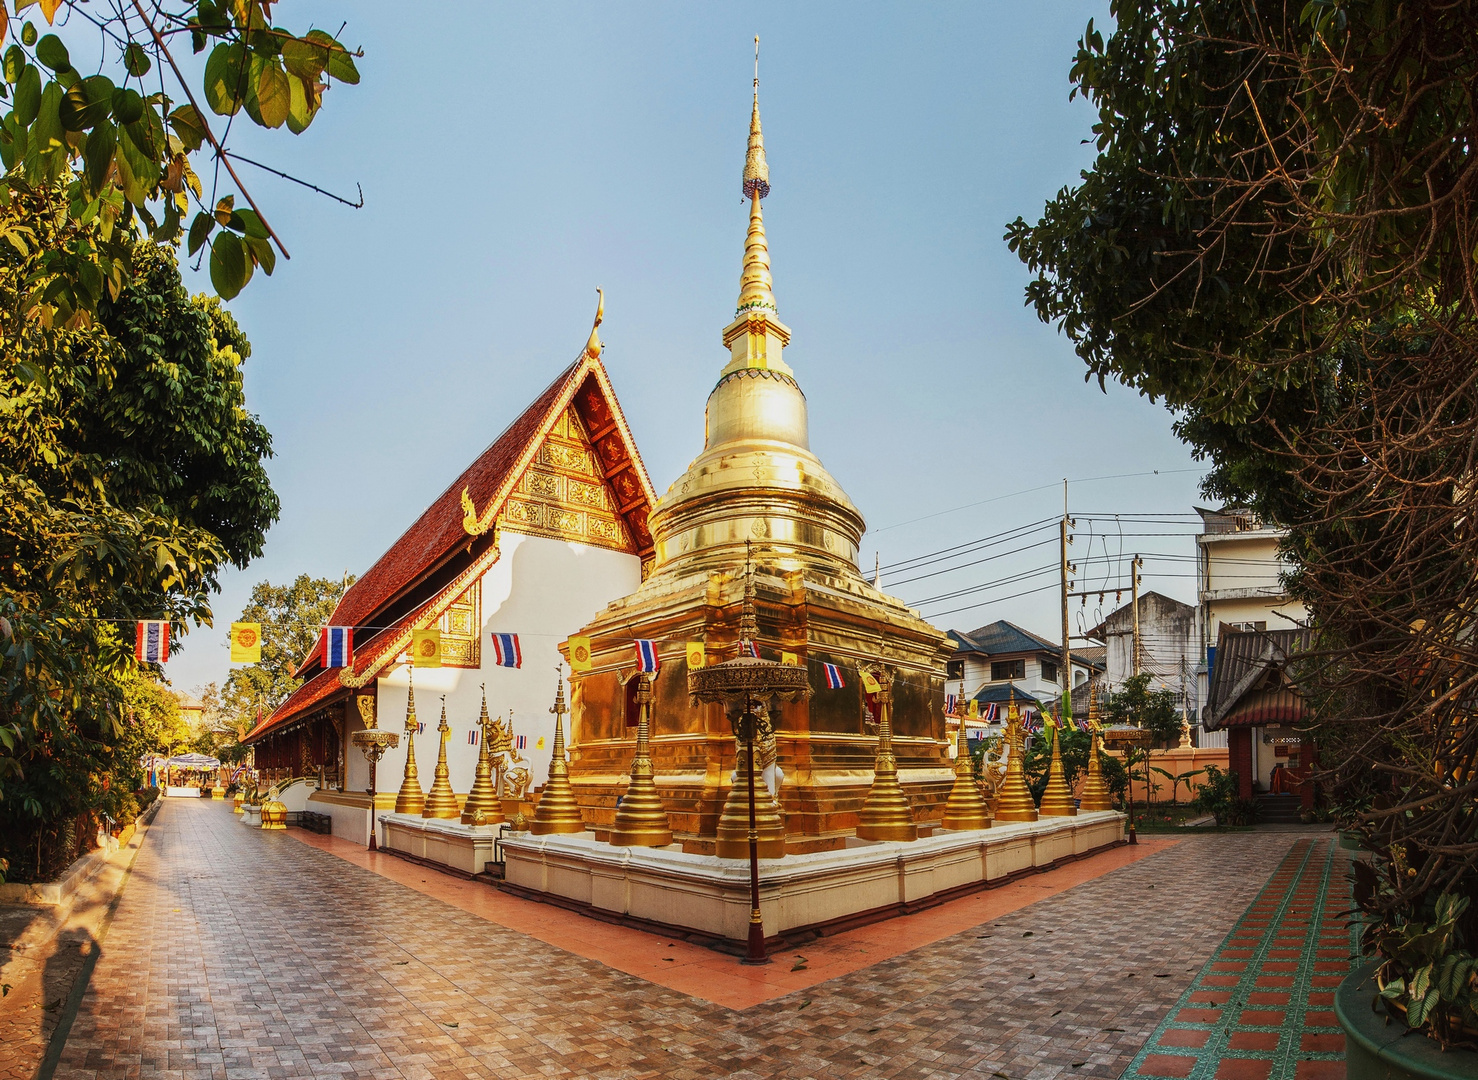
(273, 95)
(138, 172)
(136, 59)
(225, 79)
(251, 224)
(99, 154)
(51, 52)
(303, 59)
(1421, 981)
(300, 107)
(200, 230)
(28, 95)
(188, 126)
(262, 253)
(15, 63)
(230, 269)
(128, 105)
(340, 64)
(28, 35)
(47, 131)
(87, 102)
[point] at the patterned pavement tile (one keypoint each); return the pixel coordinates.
(241, 954)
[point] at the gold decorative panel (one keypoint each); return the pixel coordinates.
(562, 496)
(461, 629)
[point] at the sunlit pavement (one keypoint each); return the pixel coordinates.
(238, 953)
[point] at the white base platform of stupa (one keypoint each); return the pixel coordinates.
(466, 849)
(710, 896)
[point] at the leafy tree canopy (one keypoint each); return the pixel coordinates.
(291, 617)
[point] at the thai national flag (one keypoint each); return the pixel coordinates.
(151, 643)
(521, 742)
(505, 648)
(420, 726)
(834, 679)
(472, 737)
(338, 646)
(992, 711)
(950, 701)
(646, 656)
(748, 648)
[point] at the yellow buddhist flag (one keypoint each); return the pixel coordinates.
(246, 643)
(974, 709)
(426, 648)
(580, 655)
(695, 655)
(790, 658)
(870, 684)
(540, 744)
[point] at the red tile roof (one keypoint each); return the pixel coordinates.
(438, 534)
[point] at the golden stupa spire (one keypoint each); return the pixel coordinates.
(558, 812)
(1014, 798)
(755, 284)
(410, 799)
(440, 801)
(482, 806)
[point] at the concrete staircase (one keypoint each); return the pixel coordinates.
(1279, 809)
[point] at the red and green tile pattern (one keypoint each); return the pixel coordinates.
(1263, 1006)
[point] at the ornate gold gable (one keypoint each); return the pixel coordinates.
(461, 629)
(564, 493)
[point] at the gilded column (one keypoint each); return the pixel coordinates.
(1057, 799)
(886, 813)
(410, 800)
(641, 819)
(1014, 799)
(483, 798)
(965, 808)
(441, 801)
(1096, 795)
(558, 812)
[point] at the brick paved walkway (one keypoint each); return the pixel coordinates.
(1263, 1006)
(241, 954)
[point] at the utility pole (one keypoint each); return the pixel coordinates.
(1067, 656)
(1134, 581)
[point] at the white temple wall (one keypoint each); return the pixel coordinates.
(543, 590)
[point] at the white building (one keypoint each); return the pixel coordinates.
(543, 530)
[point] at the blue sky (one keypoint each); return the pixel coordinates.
(514, 157)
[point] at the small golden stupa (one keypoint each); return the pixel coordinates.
(641, 819)
(558, 812)
(1057, 798)
(966, 808)
(1014, 799)
(1095, 794)
(441, 801)
(483, 798)
(410, 800)
(886, 813)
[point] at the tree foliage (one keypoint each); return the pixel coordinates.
(123, 143)
(1278, 239)
(291, 617)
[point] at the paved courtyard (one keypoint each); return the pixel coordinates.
(236, 953)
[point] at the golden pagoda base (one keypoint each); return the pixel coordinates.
(641, 820)
(733, 823)
(886, 814)
(667, 888)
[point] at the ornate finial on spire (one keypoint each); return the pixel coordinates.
(748, 625)
(756, 170)
(593, 346)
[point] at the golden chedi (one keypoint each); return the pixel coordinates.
(966, 808)
(641, 819)
(441, 802)
(1095, 794)
(1057, 797)
(558, 812)
(757, 481)
(1013, 798)
(483, 807)
(410, 799)
(886, 813)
